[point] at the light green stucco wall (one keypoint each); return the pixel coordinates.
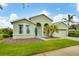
(39, 19)
(24, 23)
(61, 33)
(61, 25)
(42, 20)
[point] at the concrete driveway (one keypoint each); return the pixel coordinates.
(71, 38)
(69, 51)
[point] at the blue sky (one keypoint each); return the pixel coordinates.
(56, 11)
(36, 8)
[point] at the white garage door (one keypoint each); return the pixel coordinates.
(61, 33)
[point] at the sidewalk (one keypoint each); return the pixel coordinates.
(69, 51)
(72, 38)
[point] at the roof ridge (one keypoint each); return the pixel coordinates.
(40, 15)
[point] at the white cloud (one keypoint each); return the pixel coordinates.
(77, 7)
(76, 19)
(41, 12)
(60, 17)
(13, 16)
(44, 12)
(4, 22)
(3, 4)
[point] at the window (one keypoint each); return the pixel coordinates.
(27, 29)
(20, 29)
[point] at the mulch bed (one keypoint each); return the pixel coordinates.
(27, 40)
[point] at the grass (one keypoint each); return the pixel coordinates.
(34, 48)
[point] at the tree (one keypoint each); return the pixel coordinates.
(77, 26)
(73, 27)
(1, 7)
(69, 19)
(25, 5)
(6, 32)
(50, 29)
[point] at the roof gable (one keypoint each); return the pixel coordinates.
(29, 20)
(22, 20)
(41, 15)
(60, 23)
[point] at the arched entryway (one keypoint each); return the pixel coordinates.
(45, 30)
(38, 29)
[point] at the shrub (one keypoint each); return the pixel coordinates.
(1, 36)
(73, 33)
(5, 35)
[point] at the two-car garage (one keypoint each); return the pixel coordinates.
(62, 27)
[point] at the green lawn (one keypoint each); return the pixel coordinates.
(34, 48)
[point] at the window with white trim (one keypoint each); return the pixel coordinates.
(20, 29)
(27, 29)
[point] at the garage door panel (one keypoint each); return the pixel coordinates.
(61, 33)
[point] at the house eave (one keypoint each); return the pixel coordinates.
(21, 20)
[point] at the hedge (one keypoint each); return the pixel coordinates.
(73, 33)
(4, 36)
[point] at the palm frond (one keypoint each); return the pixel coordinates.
(70, 17)
(1, 7)
(64, 19)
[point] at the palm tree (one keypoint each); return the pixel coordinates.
(46, 30)
(50, 29)
(69, 19)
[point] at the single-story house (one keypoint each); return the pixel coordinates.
(32, 27)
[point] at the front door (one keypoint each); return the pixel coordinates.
(36, 32)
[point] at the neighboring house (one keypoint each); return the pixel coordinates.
(74, 27)
(32, 27)
(77, 26)
(63, 29)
